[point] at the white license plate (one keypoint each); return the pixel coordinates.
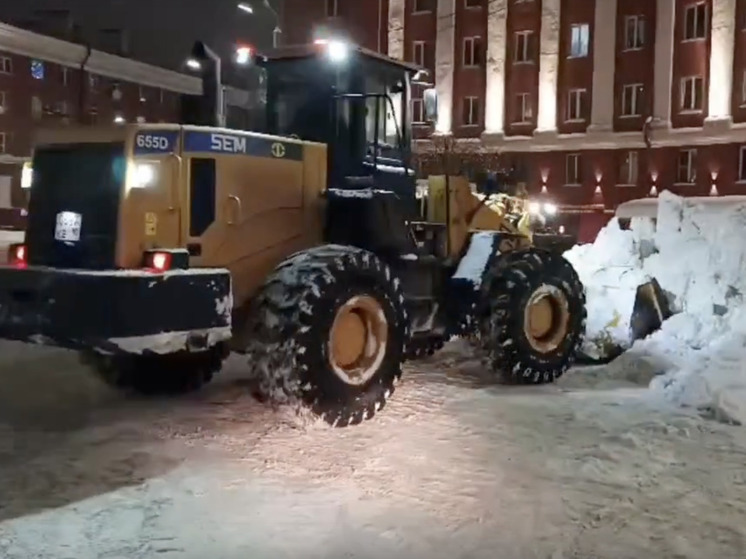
(67, 227)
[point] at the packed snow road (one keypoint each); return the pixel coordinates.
(454, 467)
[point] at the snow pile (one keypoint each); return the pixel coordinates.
(697, 254)
(474, 263)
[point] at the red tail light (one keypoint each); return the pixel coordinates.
(18, 256)
(158, 261)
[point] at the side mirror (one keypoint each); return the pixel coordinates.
(430, 101)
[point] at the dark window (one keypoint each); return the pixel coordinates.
(695, 22)
(201, 195)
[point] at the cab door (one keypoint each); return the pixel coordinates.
(245, 203)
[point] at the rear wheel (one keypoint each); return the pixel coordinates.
(535, 317)
(328, 329)
(156, 374)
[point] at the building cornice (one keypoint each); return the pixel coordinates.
(34, 45)
(720, 133)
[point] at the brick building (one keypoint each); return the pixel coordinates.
(46, 81)
(564, 89)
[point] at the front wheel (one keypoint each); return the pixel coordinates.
(535, 321)
(328, 328)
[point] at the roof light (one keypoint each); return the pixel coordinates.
(337, 51)
(243, 55)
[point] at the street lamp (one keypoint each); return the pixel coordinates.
(247, 8)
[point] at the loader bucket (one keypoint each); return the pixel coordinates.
(650, 310)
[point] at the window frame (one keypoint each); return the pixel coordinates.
(637, 41)
(691, 166)
(632, 167)
(473, 103)
(527, 55)
(637, 90)
(577, 177)
(577, 95)
(472, 45)
(693, 9)
(584, 32)
(688, 84)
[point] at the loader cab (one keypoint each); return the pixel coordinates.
(355, 101)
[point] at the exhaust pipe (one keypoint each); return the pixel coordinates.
(206, 109)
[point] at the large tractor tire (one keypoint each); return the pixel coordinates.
(155, 374)
(534, 316)
(328, 329)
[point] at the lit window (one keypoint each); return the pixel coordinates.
(37, 69)
(579, 40)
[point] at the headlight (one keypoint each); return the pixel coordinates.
(142, 175)
(27, 175)
(550, 209)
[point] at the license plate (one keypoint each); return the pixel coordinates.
(67, 227)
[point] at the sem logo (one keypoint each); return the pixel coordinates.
(230, 144)
(278, 149)
(153, 142)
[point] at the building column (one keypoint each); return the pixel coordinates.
(548, 66)
(664, 44)
(444, 64)
(604, 66)
(721, 61)
(396, 29)
(497, 35)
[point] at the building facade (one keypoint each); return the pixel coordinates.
(45, 81)
(599, 101)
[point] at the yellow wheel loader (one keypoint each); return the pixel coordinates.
(155, 250)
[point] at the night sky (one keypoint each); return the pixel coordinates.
(161, 31)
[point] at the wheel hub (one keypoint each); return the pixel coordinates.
(546, 318)
(357, 340)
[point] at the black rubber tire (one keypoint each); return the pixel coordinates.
(289, 325)
(510, 283)
(155, 374)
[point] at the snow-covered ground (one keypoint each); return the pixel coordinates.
(454, 467)
(698, 255)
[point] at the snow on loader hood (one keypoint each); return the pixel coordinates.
(697, 254)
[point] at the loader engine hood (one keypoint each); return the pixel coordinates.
(74, 204)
